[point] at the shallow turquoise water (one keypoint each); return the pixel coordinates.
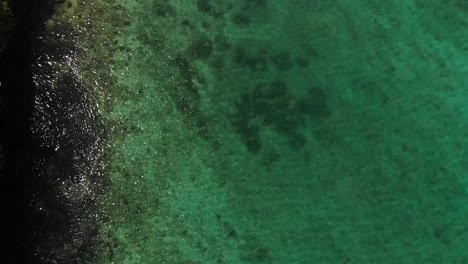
(280, 131)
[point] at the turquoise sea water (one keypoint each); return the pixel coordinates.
(268, 131)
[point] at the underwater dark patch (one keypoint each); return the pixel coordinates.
(253, 5)
(201, 48)
(185, 92)
(249, 132)
(163, 9)
(253, 61)
(271, 105)
(315, 104)
(282, 61)
(302, 62)
(205, 6)
(222, 43)
(241, 19)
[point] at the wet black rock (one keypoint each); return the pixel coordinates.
(37, 219)
(6, 24)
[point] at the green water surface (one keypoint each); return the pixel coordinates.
(273, 131)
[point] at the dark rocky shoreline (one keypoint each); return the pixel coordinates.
(18, 217)
(39, 222)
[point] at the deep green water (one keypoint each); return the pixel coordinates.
(268, 131)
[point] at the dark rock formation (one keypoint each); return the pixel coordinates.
(47, 194)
